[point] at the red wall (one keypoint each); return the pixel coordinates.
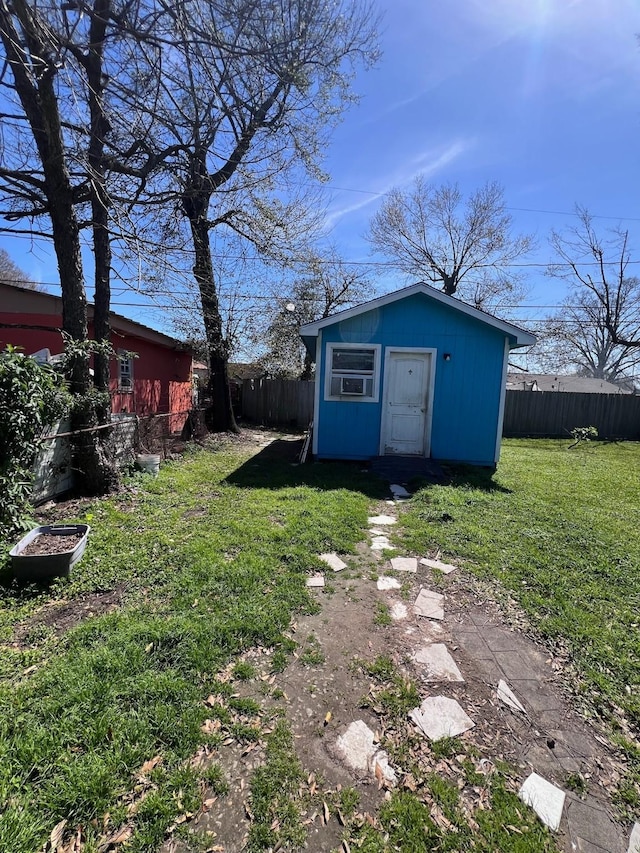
(161, 374)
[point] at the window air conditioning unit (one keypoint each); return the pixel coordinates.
(352, 385)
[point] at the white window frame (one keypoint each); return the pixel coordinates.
(328, 373)
(122, 360)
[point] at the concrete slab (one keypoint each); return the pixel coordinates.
(634, 840)
(429, 604)
(399, 492)
(539, 698)
(439, 716)
(398, 611)
(515, 666)
(356, 746)
(381, 543)
(505, 694)
(473, 644)
(404, 564)
(385, 582)
(375, 531)
(315, 580)
(588, 821)
(546, 799)
(445, 568)
(437, 663)
(333, 561)
(382, 520)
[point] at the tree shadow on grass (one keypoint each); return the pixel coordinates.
(276, 467)
(467, 476)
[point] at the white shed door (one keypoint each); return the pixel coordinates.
(406, 404)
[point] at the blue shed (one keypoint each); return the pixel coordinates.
(411, 373)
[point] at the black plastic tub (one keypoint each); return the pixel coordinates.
(39, 567)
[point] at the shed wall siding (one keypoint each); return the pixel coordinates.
(467, 388)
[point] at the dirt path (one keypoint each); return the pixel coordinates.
(328, 686)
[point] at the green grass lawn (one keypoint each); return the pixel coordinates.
(212, 557)
(98, 724)
(559, 529)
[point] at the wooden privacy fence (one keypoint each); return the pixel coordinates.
(278, 402)
(554, 414)
(549, 414)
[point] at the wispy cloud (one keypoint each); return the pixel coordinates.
(426, 163)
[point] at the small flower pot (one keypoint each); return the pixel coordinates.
(149, 463)
(66, 550)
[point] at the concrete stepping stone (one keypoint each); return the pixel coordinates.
(376, 532)
(333, 561)
(398, 611)
(315, 580)
(385, 582)
(382, 520)
(399, 492)
(438, 663)
(445, 568)
(429, 604)
(404, 564)
(357, 748)
(505, 694)
(439, 716)
(546, 799)
(634, 840)
(381, 543)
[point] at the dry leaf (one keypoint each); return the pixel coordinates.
(75, 845)
(148, 647)
(56, 836)
(29, 670)
(118, 837)
(148, 766)
(327, 718)
(326, 812)
(345, 846)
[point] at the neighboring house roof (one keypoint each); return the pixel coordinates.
(573, 384)
(518, 337)
(240, 371)
(20, 300)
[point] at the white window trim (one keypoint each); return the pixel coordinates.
(125, 389)
(352, 398)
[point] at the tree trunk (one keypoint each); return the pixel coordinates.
(307, 370)
(40, 104)
(100, 202)
(219, 415)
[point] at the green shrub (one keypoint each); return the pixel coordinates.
(32, 397)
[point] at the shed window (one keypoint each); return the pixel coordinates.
(352, 372)
(125, 371)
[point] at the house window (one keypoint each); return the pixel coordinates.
(125, 371)
(352, 372)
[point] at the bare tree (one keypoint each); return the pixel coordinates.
(597, 267)
(325, 286)
(576, 338)
(35, 54)
(249, 91)
(466, 247)
(11, 273)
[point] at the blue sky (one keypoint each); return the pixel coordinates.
(540, 95)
